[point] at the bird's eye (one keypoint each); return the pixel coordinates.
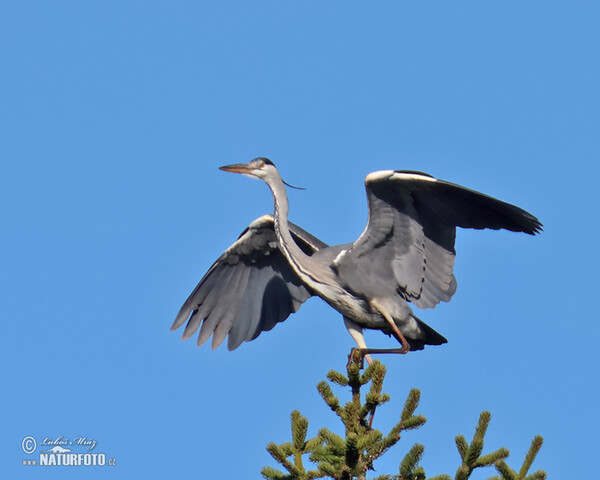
(260, 164)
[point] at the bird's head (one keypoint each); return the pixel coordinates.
(260, 167)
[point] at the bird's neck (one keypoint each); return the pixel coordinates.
(298, 260)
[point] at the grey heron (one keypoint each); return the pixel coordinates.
(405, 255)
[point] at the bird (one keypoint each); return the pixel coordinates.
(404, 256)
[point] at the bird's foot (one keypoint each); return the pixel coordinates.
(357, 355)
(361, 354)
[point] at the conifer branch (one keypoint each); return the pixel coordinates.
(336, 444)
(279, 454)
(274, 474)
(462, 446)
(539, 475)
(411, 404)
(393, 437)
(419, 473)
(413, 423)
(536, 444)
(370, 438)
(337, 378)
(352, 456)
(470, 454)
(354, 378)
(507, 473)
(295, 449)
(299, 430)
(491, 458)
(368, 374)
(410, 461)
(330, 399)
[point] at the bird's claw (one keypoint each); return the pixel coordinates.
(357, 355)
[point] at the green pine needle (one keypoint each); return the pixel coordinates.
(491, 458)
(330, 399)
(539, 475)
(410, 460)
(482, 425)
(271, 473)
(536, 444)
(372, 437)
(337, 378)
(333, 440)
(413, 423)
(299, 430)
(462, 446)
(278, 454)
(474, 451)
(411, 404)
(506, 473)
(329, 470)
(367, 376)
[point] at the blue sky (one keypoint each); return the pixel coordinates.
(114, 117)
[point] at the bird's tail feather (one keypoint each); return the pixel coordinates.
(430, 337)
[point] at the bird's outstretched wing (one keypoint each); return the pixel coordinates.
(249, 289)
(408, 244)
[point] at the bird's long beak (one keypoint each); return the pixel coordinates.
(238, 168)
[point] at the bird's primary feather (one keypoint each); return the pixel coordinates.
(248, 290)
(408, 244)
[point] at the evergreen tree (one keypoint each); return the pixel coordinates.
(351, 457)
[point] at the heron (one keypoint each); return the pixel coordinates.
(404, 256)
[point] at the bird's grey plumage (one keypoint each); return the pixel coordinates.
(249, 289)
(405, 255)
(408, 243)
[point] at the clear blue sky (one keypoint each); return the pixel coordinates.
(114, 117)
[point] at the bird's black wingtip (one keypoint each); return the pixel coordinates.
(533, 226)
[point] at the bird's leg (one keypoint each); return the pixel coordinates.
(395, 331)
(355, 331)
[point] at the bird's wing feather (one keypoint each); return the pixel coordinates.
(249, 289)
(408, 244)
